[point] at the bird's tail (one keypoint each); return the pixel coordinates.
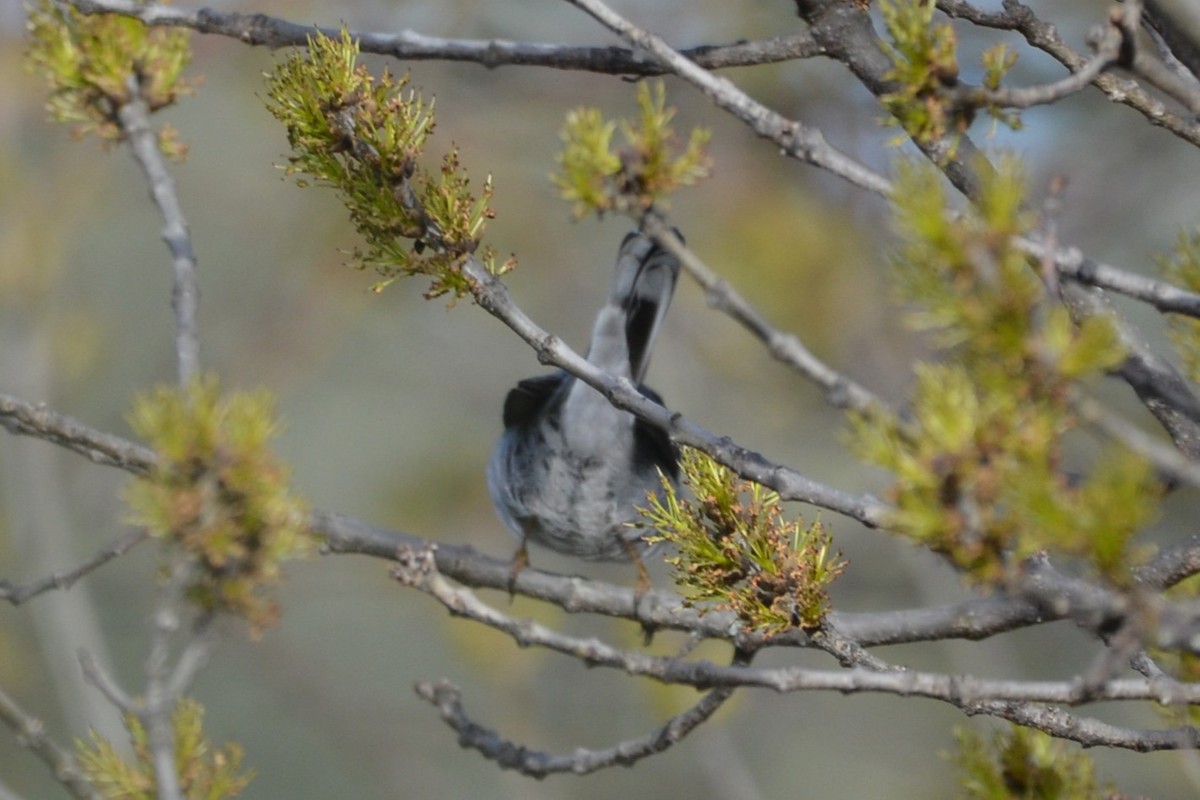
(643, 285)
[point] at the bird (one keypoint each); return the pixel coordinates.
(570, 469)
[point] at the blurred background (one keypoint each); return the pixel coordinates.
(392, 404)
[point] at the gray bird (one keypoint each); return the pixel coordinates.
(570, 467)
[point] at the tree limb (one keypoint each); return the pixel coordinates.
(408, 45)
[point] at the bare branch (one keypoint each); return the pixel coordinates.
(107, 685)
(840, 390)
(408, 45)
(974, 619)
(1072, 263)
(31, 733)
(159, 699)
(1169, 461)
(1045, 37)
(1158, 384)
(1108, 53)
(794, 138)
(64, 580)
(185, 294)
(537, 764)
(26, 419)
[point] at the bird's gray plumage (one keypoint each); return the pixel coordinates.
(570, 467)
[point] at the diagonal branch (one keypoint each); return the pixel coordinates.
(31, 733)
(795, 139)
(840, 390)
(64, 580)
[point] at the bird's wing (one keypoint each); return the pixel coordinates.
(529, 397)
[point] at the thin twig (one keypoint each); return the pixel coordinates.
(108, 686)
(538, 764)
(840, 390)
(1045, 37)
(1072, 263)
(1168, 460)
(795, 139)
(31, 733)
(1108, 53)
(64, 580)
(185, 293)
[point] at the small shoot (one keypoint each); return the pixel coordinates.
(95, 63)
(220, 494)
(927, 101)
(924, 62)
(998, 60)
(648, 167)
(206, 772)
(737, 551)
(364, 136)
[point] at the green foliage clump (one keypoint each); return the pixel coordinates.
(363, 136)
(925, 69)
(650, 165)
(737, 550)
(998, 60)
(205, 772)
(1024, 764)
(1182, 267)
(979, 463)
(95, 63)
(220, 493)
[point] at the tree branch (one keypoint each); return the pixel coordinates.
(31, 733)
(537, 764)
(840, 390)
(795, 139)
(1045, 37)
(26, 419)
(408, 45)
(64, 580)
(492, 295)
(185, 293)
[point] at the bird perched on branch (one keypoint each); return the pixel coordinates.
(570, 467)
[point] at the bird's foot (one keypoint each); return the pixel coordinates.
(640, 590)
(520, 561)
